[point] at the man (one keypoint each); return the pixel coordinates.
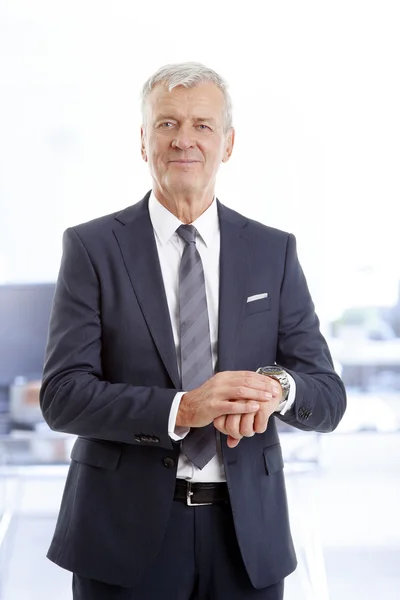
(162, 315)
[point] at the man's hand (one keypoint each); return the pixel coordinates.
(246, 425)
(234, 393)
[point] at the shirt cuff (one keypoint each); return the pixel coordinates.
(176, 433)
(288, 403)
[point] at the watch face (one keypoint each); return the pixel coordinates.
(269, 370)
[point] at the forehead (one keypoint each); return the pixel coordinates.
(203, 100)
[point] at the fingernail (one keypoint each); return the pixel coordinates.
(254, 406)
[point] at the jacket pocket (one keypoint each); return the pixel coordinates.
(273, 459)
(104, 455)
(257, 306)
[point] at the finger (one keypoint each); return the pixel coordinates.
(261, 421)
(236, 407)
(246, 426)
(249, 379)
(219, 423)
(246, 378)
(275, 387)
(244, 385)
(232, 442)
(232, 426)
(258, 393)
(258, 381)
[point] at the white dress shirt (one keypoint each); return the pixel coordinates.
(170, 247)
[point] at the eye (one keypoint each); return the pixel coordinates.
(166, 125)
(204, 127)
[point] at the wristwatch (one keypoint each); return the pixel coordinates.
(276, 372)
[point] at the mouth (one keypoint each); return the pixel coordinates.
(184, 162)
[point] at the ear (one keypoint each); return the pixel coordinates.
(230, 140)
(143, 144)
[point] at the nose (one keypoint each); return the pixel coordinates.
(184, 138)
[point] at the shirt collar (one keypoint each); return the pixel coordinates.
(165, 223)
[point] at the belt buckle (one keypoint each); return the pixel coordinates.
(189, 495)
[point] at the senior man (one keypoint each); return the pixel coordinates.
(162, 316)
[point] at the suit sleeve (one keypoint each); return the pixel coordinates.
(302, 350)
(74, 397)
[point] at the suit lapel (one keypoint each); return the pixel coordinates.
(234, 268)
(135, 236)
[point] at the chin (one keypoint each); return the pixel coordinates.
(184, 185)
(185, 189)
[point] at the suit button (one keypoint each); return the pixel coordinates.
(169, 462)
(137, 438)
(302, 412)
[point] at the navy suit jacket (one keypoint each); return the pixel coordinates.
(111, 375)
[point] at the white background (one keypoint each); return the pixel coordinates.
(316, 94)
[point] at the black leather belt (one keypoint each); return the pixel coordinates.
(200, 494)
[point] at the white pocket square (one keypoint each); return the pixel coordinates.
(257, 297)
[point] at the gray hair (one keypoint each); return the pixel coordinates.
(188, 74)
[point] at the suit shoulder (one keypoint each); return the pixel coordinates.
(95, 225)
(102, 226)
(266, 230)
(256, 227)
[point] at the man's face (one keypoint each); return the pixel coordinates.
(183, 139)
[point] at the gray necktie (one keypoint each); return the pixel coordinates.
(195, 345)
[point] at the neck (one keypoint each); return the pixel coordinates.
(186, 208)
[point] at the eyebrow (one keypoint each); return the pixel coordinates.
(167, 117)
(205, 119)
(164, 118)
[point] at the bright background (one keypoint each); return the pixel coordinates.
(316, 91)
(316, 96)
